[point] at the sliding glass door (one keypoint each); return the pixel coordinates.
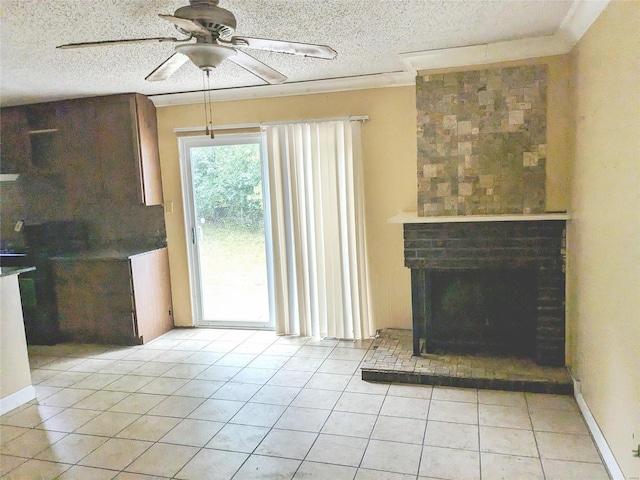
(225, 205)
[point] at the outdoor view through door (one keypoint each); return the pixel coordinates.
(228, 251)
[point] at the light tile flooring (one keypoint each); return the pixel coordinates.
(225, 404)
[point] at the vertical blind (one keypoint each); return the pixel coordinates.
(318, 230)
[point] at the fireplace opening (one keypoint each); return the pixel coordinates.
(482, 312)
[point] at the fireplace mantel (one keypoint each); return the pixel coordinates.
(412, 217)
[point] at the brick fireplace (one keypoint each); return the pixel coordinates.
(488, 285)
(486, 259)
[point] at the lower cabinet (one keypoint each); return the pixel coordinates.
(113, 299)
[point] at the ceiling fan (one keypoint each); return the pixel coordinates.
(212, 27)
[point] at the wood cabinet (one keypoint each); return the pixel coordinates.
(127, 149)
(113, 298)
(103, 148)
(30, 140)
(15, 140)
(81, 170)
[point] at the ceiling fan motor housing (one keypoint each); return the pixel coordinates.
(205, 56)
(219, 21)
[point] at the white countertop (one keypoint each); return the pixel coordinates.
(6, 271)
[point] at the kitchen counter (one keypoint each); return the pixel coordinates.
(106, 254)
(113, 295)
(7, 271)
(15, 375)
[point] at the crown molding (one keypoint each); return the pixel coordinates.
(485, 54)
(579, 18)
(383, 80)
(575, 24)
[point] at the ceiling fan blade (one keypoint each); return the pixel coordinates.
(167, 68)
(117, 42)
(186, 24)
(295, 48)
(258, 68)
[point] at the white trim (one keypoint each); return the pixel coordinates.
(383, 80)
(412, 217)
(215, 128)
(14, 400)
(185, 143)
(239, 126)
(601, 442)
(352, 118)
(9, 177)
(575, 24)
(579, 18)
(486, 53)
(188, 209)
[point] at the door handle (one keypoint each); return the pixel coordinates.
(197, 235)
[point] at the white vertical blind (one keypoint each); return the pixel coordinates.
(318, 230)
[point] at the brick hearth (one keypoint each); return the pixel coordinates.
(390, 359)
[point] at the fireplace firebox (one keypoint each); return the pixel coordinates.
(493, 288)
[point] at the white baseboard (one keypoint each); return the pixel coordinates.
(16, 399)
(605, 452)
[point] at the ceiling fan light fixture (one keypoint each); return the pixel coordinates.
(206, 55)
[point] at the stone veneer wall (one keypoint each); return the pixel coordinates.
(482, 141)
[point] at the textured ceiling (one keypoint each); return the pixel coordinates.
(368, 35)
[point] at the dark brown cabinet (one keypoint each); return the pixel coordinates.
(94, 161)
(14, 140)
(82, 173)
(100, 147)
(113, 298)
(127, 149)
(29, 138)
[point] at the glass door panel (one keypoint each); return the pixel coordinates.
(228, 248)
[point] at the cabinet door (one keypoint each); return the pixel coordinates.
(95, 301)
(45, 140)
(149, 166)
(32, 142)
(116, 134)
(16, 148)
(152, 294)
(83, 171)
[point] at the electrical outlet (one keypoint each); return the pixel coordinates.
(18, 226)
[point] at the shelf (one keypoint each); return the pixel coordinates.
(9, 177)
(44, 130)
(412, 217)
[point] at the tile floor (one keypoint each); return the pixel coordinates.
(224, 404)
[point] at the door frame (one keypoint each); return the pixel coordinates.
(191, 233)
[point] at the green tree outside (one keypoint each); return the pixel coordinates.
(227, 182)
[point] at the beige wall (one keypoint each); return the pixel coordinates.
(390, 169)
(603, 277)
(389, 151)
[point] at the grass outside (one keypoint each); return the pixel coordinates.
(234, 273)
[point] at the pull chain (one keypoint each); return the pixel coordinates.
(204, 94)
(210, 126)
